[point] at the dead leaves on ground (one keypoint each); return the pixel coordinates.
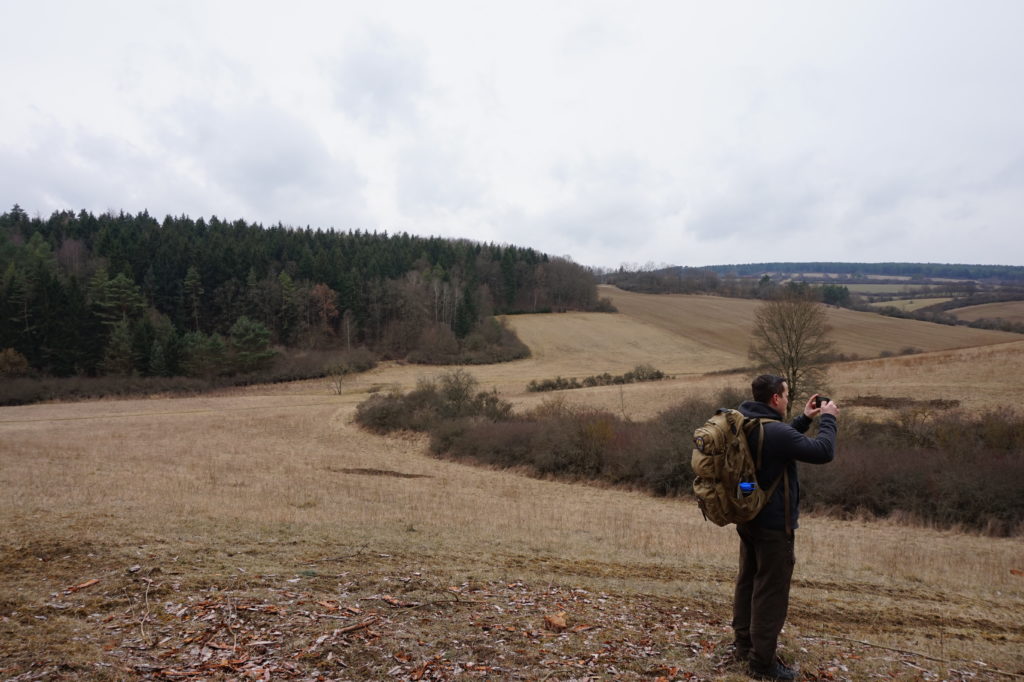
(404, 627)
(555, 621)
(367, 626)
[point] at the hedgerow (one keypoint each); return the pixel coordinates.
(637, 374)
(934, 464)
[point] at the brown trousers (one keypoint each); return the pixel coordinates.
(762, 591)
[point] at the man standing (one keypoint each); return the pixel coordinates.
(767, 542)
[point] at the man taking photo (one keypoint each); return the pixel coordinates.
(767, 542)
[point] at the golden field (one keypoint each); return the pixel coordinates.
(259, 534)
(911, 304)
(1011, 311)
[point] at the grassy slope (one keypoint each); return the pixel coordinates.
(910, 304)
(1012, 311)
(725, 323)
(242, 535)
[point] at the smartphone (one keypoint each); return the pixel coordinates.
(821, 400)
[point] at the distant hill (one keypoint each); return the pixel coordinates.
(894, 289)
(919, 271)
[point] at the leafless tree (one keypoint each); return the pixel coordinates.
(790, 339)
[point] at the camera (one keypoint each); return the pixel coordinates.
(821, 400)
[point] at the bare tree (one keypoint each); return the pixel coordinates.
(790, 339)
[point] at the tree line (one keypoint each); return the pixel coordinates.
(854, 271)
(122, 294)
(708, 280)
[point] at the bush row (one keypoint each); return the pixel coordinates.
(971, 487)
(289, 365)
(939, 466)
(638, 373)
(432, 405)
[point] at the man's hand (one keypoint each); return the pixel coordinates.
(830, 408)
(811, 411)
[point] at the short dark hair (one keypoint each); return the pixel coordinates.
(765, 386)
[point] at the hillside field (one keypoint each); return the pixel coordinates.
(725, 323)
(257, 533)
(1011, 311)
(910, 304)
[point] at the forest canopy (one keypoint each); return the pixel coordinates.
(84, 294)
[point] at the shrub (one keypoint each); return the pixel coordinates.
(382, 413)
(431, 405)
(947, 469)
(13, 364)
(639, 373)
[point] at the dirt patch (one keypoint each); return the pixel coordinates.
(378, 472)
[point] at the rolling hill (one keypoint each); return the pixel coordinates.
(725, 324)
(1011, 311)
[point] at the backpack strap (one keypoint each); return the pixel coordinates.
(789, 519)
(782, 478)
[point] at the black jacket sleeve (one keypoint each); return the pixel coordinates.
(792, 444)
(784, 446)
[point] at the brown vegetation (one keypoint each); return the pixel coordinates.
(235, 535)
(950, 469)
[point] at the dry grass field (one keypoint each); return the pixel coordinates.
(259, 534)
(911, 304)
(724, 323)
(1012, 311)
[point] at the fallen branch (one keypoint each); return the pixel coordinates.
(82, 586)
(357, 626)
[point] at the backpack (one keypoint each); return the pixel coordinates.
(726, 484)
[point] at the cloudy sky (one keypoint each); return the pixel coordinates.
(633, 132)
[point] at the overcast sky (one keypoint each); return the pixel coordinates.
(636, 132)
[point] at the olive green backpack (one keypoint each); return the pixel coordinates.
(726, 484)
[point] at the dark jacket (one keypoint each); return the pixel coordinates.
(784, 446)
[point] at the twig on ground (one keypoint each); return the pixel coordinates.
(359, 552)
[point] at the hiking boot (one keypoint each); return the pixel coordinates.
(776, 671)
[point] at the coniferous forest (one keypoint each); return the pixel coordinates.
(130, 295)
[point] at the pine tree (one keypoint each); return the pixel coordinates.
(118, 358)
(250, 345)
(193, 288)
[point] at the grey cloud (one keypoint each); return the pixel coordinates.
(380, 80)
(432, 177)
(771, 200)
(610, 204)
(264, 157)
(65, 170)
